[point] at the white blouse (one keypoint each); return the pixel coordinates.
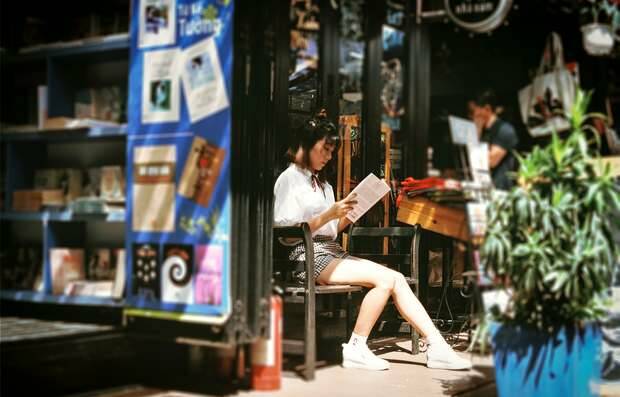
(296, 201)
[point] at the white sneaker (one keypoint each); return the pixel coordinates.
(360, 356)
(441, 356)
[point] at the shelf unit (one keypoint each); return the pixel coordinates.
(65, 69)
(63, 216)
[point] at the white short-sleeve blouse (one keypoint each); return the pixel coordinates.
(297, 200)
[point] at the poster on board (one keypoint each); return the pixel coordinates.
(160, 87)
(203, 82)
(178, 160)
(157, 23)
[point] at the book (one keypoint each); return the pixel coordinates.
(100, 266)
(369, 191)
(67, 264)
(119, 279)
(112, 183)
(41, 105)
(21, 267)
(201, 172)
(101, 289)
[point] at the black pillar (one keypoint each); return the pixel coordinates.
(374, 16)
(417, 95)
(329, 60)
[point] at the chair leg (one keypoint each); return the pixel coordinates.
(310, 336)
(349, 315)
(415, 341)
(417, 274)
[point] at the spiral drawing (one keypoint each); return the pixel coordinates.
(176, 282)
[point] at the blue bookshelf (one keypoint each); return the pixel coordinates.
(67, 134)
(40, 297)
(63, 216)
(97, 45)
(67, 69)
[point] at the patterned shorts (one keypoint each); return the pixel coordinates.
(325, 251)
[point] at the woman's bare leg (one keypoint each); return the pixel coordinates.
(383, 283)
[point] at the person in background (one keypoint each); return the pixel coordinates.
(499, 134)
(302, 194)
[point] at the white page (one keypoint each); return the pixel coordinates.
(479, 162)
(369, 191)
(463, 131)
(203, 81)
(157, 23)
(160, 86)
(477, 218)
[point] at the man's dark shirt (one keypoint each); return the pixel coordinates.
(502, 134)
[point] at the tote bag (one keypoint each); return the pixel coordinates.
(546, 103)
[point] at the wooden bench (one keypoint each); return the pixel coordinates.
(306, 293)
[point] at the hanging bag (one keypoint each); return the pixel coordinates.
(546, 103)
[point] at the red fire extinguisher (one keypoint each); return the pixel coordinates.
(267, 353)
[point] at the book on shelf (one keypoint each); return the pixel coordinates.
(100, 265)
(41, 105)
(61, 123)
(105, 275)
(69, 180)
(119, 277)
(22, 268)
(103, 103)
(35, 200)
(100, 289)
(112, 184)
(92, 185)
(66, 265)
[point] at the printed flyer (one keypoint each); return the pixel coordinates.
(203, 81)
(157, 23)
(160, 88)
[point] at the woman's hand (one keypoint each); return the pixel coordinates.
(343, 207)
(337, 211)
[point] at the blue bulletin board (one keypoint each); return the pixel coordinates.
(178, 156)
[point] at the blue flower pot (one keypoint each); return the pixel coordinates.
(564, 363)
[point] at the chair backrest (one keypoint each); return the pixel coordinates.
(402, 249)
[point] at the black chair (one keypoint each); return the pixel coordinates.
(406, 261)
(306, 293)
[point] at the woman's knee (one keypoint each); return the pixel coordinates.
(399, 279)
(389, 279)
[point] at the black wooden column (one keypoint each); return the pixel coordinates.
(374, 16)
(260, 86)
(417, 95)
(329, 45)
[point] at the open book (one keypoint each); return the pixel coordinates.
(369, 191)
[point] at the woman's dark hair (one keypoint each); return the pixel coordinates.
(313, 130)
(486, 97)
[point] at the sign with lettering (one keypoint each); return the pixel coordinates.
(479, 16)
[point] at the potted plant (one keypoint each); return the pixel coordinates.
(600, 24)
(549, 245)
